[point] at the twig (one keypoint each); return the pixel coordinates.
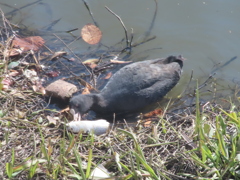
(23, 7)
(143, 57)
(6, 23)
(144, 41)
(125, 29)
(72, 52)
(82, 81)
(190, 80)
(49, 26)
(71, 30)
(130, 43)
(67, 47)
(205, 82)
(153, 20)
(90, 12)
(75, 56)
(225, 64)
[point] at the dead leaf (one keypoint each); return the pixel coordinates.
(85, 91)
(156, 112)
(71, 59)
(109, 75)
(86, 84)
(147, 123)
(39, 89)
(91, 34)
(53, 73)
(92, 63)
(31, 75)
(119, 62)
(58, 54)
(6, 83)
(14, 73)
(52, 120)
(14, 52)
(92, 66)
(29, 43)
(20, 114)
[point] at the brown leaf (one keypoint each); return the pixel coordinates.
(155, 112)
(58, 54)
(91, 34)
(92, 66)
(108, 75)
(86, 84)
(86, 91)
(14, 52)
(147, 123)
(90, 61)
(29, 43)
(14, 73)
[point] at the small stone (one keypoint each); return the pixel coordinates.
(61, 90)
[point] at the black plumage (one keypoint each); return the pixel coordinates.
(133, 87)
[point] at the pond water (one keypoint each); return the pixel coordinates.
(204, 32)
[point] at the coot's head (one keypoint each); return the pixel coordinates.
(179, 59)
(80, 104)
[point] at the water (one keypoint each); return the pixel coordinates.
(204, 32)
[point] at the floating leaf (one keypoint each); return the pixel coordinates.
(90, 61)
(86, 84)
(58, 54)
(108, 75)
(91, 34)
(119, 62)
(71, 59)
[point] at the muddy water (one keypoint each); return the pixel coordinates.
(207, 33)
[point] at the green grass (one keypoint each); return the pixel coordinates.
(156, 152)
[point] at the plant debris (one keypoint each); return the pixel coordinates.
(23, 45)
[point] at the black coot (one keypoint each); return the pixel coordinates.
(132, 88)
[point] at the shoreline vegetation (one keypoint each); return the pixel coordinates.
(194, 140)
